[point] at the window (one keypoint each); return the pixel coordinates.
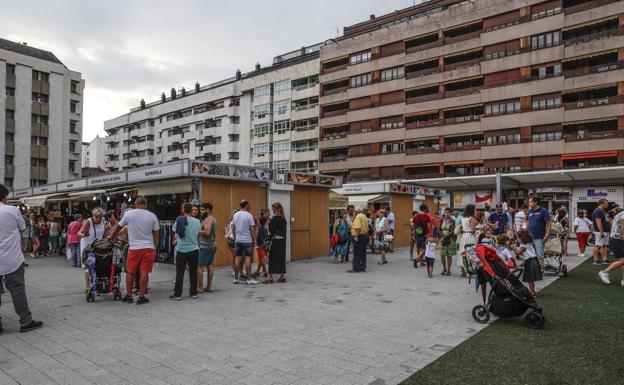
(74, 87)
(305, 124)
(546, 71)
(9, 114)
(39, 140)
(282, 107)
(9, 137)
(391, 122)
(361, 80)
(233, 155)
(262, 90)
(503, 139)
(39, 119)
(8, 182)
(72, 166)
(503, 108)
(263, 111)
(282, 86)
(9, 91)
(392, 73)
(281, 146)
(281, 165)
(73, 105)
(261, 130)
(262, 165)
(10, 69)
(538, 11)
(542, 102)
(391, 148)
(281, 127)
(261, 149)
(544, 40)
(41, 98)
(72, 127)
(38, 75)
(72, 146)
(234, 137)
(361, 57)
(304, 145)
(8, 159)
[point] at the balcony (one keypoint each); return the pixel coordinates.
(463, 119)
(424, 150)
(613, 134)
(466, 147)
(423, 43)
(587, 5)
(424, 98)
(330, 114)
(10, 103)
(462, 37)
(589, 70)
(9, 125)
(594, 102)
(415, 73)
(334, 135)
(334, 158)
(594, 36)
(462, 64)
(463, 91)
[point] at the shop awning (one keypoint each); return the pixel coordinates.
(590, 155)
(337, 201)
(360, 202)
(37, 201)
(162, 188)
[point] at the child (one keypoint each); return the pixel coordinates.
(431, 253)
(532, 269)
(486, 238)
(504, 250)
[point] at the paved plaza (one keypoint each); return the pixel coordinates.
(323, 327)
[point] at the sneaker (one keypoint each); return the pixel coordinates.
(252, 282)
(31, 326)
(236, 281)
(174, 297)
(128, 299)
(604, 277)
(607, 262)
(142, 300)
(194, 296)
(582, 255)
(597, 263)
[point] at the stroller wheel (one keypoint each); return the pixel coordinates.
(564, 270)
(480, 314)
(535, 320)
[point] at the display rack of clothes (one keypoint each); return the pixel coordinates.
(166, 247)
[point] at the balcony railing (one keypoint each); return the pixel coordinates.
(335, 68)
(587, 5)
(425, 46)
(462, 37)
(462, 64)
(334, 91)
(462, 119)
(424, 150)
(594, 69)
(423, 72)
(305, 107)
(424, 98)
(594, 136)
(423, 176)
(465, 147)
(462, 91)
(423, 123)
(334, 158)
(594, 36)
(330, 114)
(304, 87)
(594, 102)
(335, 135)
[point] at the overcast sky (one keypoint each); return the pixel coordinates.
(128, 50)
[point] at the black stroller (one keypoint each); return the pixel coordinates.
(103, 259)
(508, 296)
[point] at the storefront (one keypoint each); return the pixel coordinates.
(586, 198)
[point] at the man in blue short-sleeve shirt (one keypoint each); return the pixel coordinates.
(499, 220)
(539, 225)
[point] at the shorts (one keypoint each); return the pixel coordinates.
(601, 241)
(617, 247)
(582, 240)
(260, 252)
(538, 245)
(206, 256)
(244, 249)
(141, 260)
(420, 241)
(430, 261)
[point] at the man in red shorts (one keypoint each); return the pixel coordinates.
(143, 237)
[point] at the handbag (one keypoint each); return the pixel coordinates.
(388, 238)
(268, 243)
(553, 246)
(458, 229)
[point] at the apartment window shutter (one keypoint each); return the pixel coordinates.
(392, 48)
(501, 20)
(392, 97)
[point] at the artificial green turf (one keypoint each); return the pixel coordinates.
(581, 343)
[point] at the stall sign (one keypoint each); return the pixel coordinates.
(416, 190)
(595, 194)
(107, 179)
(22, 193)
(224, 171)
(39, 190)
(368, 188)
(158, 172)
(313, 179)
(72, 185)
(546, 190)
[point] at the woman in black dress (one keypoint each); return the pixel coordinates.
(277, 254)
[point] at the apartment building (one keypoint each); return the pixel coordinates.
(93, 153)
(472, 87)
(202, 123)
(282, 100)
(40, 117)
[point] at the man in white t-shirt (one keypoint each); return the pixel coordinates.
(245, 233)
(391, 220)
(616, 244)
(12, 261)
(520, 219)
(143, 238)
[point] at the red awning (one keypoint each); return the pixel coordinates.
(590, 155)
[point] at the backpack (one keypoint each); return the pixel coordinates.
(419, 229)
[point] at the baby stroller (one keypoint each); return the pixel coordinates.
(508, 296)
(103, 259)
(553, 252)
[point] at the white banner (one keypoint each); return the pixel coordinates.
(106, 179)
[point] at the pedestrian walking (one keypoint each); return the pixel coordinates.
(538, 226)
(391, 222)
(616, 244)
(422, 229)
(245, 233)
(26, 232)
(143, 238)
(532, 269)
(207, 249)
(582, 228)
(277, 252)
(73, 239)
(468, 235)
(447, 242)
(12, 262)
(601, 237)
(431, 254)
(341, 235)
(93, 228)
(359, 232)
(34, 237)
(382, 228)
(187, 229)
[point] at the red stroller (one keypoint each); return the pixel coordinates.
(508, 296)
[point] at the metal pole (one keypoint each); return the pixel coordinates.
(499, 191)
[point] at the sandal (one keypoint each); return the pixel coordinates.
(282, 280)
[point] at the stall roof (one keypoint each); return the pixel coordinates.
(564, 178)
(37, 201)
(361, 201)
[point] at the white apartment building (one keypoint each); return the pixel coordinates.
(40, 117)
(203, 123)
(93, 153)
(283, 102)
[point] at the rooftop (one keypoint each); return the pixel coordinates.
(24, 49)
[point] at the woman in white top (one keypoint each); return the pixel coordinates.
(382, 227)
(582, 228)
(92, 229)
(468, 234)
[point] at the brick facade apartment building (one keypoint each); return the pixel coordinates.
(473, 87)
